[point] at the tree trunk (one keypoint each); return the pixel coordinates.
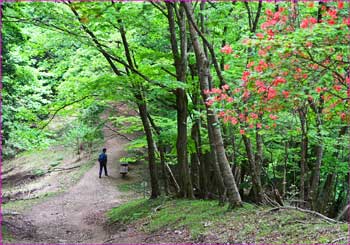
(181, 145)
(254, 169)
(155, 192)
(327, 191)
(138, 94)
(203, 68)
(164, 172)
(196, 136)
(259, 162)
(303, 145)
(284, 183)
(326, 194)
(203, 171)
(217, 170)
(195, 173)
(180, 60)
(316, 171)
(195, 160)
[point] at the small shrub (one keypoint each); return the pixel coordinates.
(38, 172)
(54, 164)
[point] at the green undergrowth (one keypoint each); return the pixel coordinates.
(248, 224)
(126, 187)
(6, 237)
(136, 181)
(36, 161)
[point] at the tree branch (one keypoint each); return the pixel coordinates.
(169, 72)
(116, 132)
(64, 106)
(211, 49)
(306, 211)
(255, 24)
(159, 7)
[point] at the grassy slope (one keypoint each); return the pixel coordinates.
(207, 222)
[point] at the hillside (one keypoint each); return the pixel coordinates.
(198, 221)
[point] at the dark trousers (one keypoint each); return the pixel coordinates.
(103, 165)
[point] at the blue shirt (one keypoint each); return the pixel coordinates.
(102, 158)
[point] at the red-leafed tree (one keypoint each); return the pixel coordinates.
(298, 68)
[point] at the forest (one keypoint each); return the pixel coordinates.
(233, 101)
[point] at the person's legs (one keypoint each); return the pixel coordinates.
(101, 166)
(105, 167)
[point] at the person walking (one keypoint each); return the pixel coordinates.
(102, 158)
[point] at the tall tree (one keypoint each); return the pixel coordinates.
(203, 73)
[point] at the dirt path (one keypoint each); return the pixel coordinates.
(77, 216)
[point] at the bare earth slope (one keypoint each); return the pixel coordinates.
(77, 216)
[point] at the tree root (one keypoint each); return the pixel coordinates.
(269, 201)
(8, 213)
(339, 239)
(63, 169)
(329, 220)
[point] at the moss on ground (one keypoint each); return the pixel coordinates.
(6, 237)
(39, 159)
(249, 224)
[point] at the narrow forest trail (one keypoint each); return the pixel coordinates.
(77, 216)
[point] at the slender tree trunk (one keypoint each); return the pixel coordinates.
(203, 68)
(203, 171)
(155, 192)
(316, 171)
(303, 145)
(195, 172)
(208, 172)
(216, 166)
(195, 160)
(203, 179)
(314, 188)
(327, 191)
(196, 136)
(259, 161)
(243, 174)
(138, 94)
(326, 194)
(284, 183)
(233, 155)
(236, 169)
(254, 169)
(180, 60)
(164, 172)
(181, 145)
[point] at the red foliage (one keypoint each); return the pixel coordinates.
(227, 49)
(260, 35)
(271, 93)
(245, 75)
(285, 94)
(337, 87)
(278, 80)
